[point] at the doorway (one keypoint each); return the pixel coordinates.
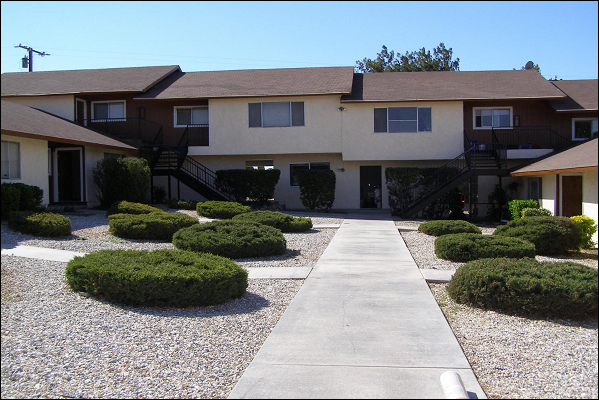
(571, 195)
(69, 175)
(370, 186)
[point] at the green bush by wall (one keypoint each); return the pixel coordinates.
(462, 247)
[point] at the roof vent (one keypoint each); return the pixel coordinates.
(529, 65)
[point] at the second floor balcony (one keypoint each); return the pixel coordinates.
(520, 138)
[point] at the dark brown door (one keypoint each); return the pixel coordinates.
(69, 175)
(571, 196)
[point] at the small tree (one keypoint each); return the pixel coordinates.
(421, 60)
(121, 179)
(317, 188)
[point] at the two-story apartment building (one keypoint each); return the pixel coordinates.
(308, 118)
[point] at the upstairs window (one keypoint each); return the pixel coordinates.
(108, 110)
(403, 119)
(584, 128)
(190, 116)
(11, 160)
(487, 118)
(276, 114)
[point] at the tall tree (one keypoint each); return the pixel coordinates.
(421, 60)
(532, 66)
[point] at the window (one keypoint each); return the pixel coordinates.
(11, 160)
(297, 167)
(403, 119)
(191, 116)
(487, 118)
(276, 114)
(584, 128)
(259, 164)
(108, 110)
(534, 188)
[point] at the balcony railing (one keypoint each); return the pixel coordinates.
(536, 137)
(147, 132)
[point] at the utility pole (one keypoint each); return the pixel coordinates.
(29, 61)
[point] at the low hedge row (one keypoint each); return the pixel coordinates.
(154, 226)
(527, 287)
(46, 224)
(462, 247)
(221, 209)
(172, 278)
(281, 221)
(550, 235)
(231, 239)
(445, 227)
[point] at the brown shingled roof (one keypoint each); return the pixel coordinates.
(83, 81)
(451, 85)
(582, 95)
(577, 159)
(19, 120)
(255, 83)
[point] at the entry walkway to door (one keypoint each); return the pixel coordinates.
(363, 325)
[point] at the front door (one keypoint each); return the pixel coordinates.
(571, 196)
(370, 187)
(69, 175)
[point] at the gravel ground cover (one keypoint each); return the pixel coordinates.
(516, 357)
(61, 344)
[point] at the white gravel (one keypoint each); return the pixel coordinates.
(517, 357)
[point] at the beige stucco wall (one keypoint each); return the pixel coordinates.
(548, 190)
(34, 163)
(230, 133)
(445, 141)
(590, 197)
(62, 105)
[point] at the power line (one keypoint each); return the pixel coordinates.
(28, 62)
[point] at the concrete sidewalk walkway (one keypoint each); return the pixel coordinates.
(363, 325)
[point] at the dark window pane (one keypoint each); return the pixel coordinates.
(292, 169)
(297, 113)
(402, 113)
(322, 166)
(101, 111)
(183, 116)
(402, 126)
(380, 120)
(255, 115)
(275, 114)
(425, 123)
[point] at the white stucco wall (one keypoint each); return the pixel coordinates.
(230, 133)
(548, 190)
(590, 197)
(62, 105)
(445, 141)
(33, 163)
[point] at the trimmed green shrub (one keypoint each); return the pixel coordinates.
(127, 207)
(550, 235)
(182, 204)
(126, 178)
(317, 188)
(253, 184)
(588, 227)
(46, 224)
(231, 239)
(20, 197)
(221, 209)
(443, 227)
(527, 287)
(155, 226)
(281, 221)
(536, 212)
(169, 278)
(464, 247)
(516, 207)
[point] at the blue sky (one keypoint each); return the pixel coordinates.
(560, 36)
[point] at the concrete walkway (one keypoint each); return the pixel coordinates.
(363, 325)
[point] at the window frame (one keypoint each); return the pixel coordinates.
(175, 108)
(291, 115)
(510, 108)
(309, 164)
(388, 120)
(574, 120)
(109, 119)
(8, 163)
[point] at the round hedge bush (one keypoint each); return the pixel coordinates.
(536, 212)
(172, 278)
(443, 227)
(527, 287)
(550, 235)
(127, 207)
(221, 209)
(462, 247)
(231, 239)
(45, 224)
(155, 226)
(281, 221)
